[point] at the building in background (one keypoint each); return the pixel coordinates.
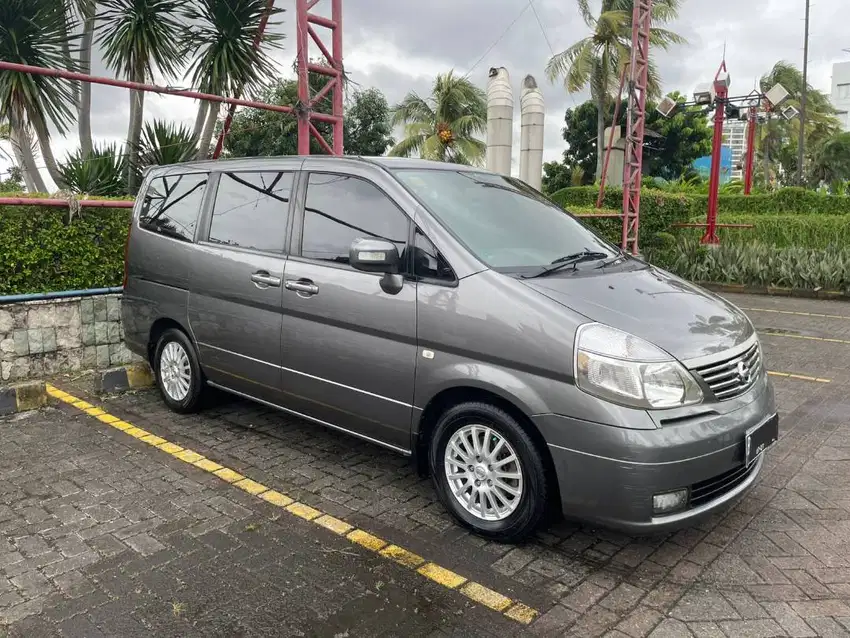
(841, 92)
(735, 139)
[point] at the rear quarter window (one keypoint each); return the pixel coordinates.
(172, 205)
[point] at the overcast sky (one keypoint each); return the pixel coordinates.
(400, 45)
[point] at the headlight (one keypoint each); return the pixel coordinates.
(625, 369)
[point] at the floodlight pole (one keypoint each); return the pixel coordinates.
(801, 143)
(721, 92)
(752, 122)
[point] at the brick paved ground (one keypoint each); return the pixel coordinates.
(100, 530)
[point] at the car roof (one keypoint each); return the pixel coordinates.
(243, 163)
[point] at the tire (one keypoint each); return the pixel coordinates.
(521, 509)
(187, 394)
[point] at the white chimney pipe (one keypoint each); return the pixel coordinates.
(500, 121)
(533, 116)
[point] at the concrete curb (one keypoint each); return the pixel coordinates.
(22, 397)
(776, 292)
(127, 377)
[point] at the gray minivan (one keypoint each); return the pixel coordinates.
(458, 316)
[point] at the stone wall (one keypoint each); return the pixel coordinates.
(40, 339)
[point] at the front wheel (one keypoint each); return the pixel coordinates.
(178, 373)
(488, 472)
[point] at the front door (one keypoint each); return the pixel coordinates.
(237, 282)
(348, 348)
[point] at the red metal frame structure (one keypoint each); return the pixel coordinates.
(721, 92)
(752, 123)
(334, 71)
(636, 123)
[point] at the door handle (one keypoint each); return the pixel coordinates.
(302, 286)
(262, 278)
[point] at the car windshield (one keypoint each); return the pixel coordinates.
(504, 222)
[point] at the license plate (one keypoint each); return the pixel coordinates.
(759, 438)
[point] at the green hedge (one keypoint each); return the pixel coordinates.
(805, 231)
(41, 252)
(687, 205)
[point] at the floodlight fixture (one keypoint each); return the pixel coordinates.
(667, 106)
(789, 113)
(777, 96)
(723, 79)
(703, 94)
(733, 112)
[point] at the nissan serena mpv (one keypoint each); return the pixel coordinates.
(458, 316)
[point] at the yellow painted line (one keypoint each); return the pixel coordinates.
(799, 377)
(402, 556)
(773, 333)
(486, 596)
(304, 511)
(334, 524)
(252, 487)
(276, 498)
(367, 540)
(207, 465)
(438, 574)
(228, 475)
(797, 313)
(441, 575)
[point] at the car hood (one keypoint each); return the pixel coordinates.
(683, 319)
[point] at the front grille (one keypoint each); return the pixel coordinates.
(715, 487)
(724, 378)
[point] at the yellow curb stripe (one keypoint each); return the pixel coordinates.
(799, 377)
(447, 578)
(276, 498)
(796, 312)
(207, 465)
(521, 613)
(252, 487)
(441, 575)
(334, 524)
(226, 474)
(402, 556)
(486, 596)
(304, 511)
(367, 540)
(169, 448)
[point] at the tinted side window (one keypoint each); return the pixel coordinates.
(428, 263)
(342, 208)
(251, 210)
(172, 204)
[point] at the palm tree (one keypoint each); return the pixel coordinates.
(35, 32)
(226, 62)
(598, 60)
(443, 126)
(164, 143)
(140, 37)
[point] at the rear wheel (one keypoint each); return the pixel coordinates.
(178, 373)
(488, 472)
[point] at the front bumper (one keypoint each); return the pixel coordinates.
(608, 475)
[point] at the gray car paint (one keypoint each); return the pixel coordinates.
(350, 357)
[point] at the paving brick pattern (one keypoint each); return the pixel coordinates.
(776, 564)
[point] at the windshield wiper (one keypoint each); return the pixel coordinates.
(569, 260)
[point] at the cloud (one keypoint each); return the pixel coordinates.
(400, 45)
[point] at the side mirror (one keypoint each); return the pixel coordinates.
(374, 255)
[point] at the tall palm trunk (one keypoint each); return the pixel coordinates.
(22, 148)
(200, 119)
(134, 132)
(84, 106)
(43, 135)
(600, 135)
(206, 134)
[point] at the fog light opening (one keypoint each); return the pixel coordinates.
(669, 501)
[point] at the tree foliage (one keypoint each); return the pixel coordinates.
(670, 147)
(444, 125)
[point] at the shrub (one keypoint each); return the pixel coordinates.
(807, 231)
(41, 252)
(759, 265)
